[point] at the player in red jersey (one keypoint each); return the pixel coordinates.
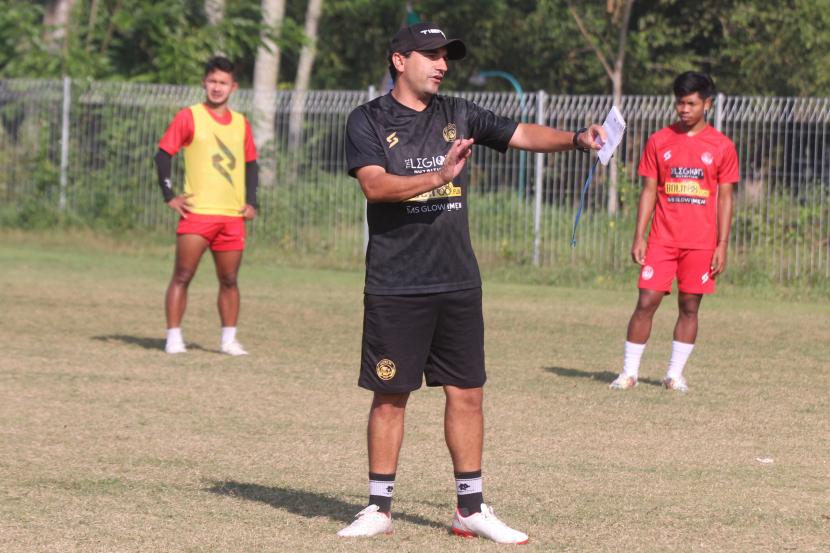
(219, 195)
(688, 170)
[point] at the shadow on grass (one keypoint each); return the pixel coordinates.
(602, 376)
(305, 503)
(143, 342)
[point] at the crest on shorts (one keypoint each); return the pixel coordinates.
(450, 132)
(648, 272)
(385, 369)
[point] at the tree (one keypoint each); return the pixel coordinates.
(56, 22)
(779, 47)
(620, 10)
(266, 72)
(215, 11)
(775, 48)
(295, 122)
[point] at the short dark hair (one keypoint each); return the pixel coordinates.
(392, 71)
(220, 63)
(691, 82)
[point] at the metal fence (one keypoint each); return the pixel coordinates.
(84, 151)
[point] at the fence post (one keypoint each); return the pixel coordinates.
(539, 180)
(67, 91)
(719, 111)
(372, 93)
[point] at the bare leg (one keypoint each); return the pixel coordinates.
(189, 250)
(385, 431)
(464, 427)
(639, 327)
(227, 269)
(686, 328)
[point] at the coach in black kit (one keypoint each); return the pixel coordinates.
(422, 302)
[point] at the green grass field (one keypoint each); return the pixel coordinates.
(107, 444)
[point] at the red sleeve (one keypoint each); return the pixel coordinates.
(250, 147)
(728, 171)
(179, 133)
(648, 163)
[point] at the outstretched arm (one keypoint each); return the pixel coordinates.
(380, 186)
(538, 138)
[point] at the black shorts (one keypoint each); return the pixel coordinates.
(407, 338)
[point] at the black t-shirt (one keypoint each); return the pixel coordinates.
(421, 245)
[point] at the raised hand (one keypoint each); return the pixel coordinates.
(455, 159)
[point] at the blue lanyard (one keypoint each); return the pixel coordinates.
(582, 200)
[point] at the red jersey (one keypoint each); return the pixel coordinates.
(688, 170)
(180, 133)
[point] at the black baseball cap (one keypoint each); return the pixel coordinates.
(426, 36)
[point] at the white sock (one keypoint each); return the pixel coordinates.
(174, 336)
(633, 354)
(680, 353)
(228, 334)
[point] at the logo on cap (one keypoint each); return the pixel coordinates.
(433, 32)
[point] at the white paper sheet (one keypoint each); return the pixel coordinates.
(614, 126)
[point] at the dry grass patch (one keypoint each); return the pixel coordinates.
(108, 444)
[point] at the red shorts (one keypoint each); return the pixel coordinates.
(691, 267)
(223, 232)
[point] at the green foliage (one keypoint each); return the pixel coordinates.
(143, 41)
(22, 49)
(760, 47)
(777, 48)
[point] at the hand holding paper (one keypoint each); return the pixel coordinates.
(614, 126)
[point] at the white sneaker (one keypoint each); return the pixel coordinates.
(175, 347)
(233, 348)
(677, 384)
(487, 525)
(368, 522)
(623, 382)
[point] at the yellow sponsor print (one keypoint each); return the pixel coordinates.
(392, 139)
(686, 188)
(449, 190)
